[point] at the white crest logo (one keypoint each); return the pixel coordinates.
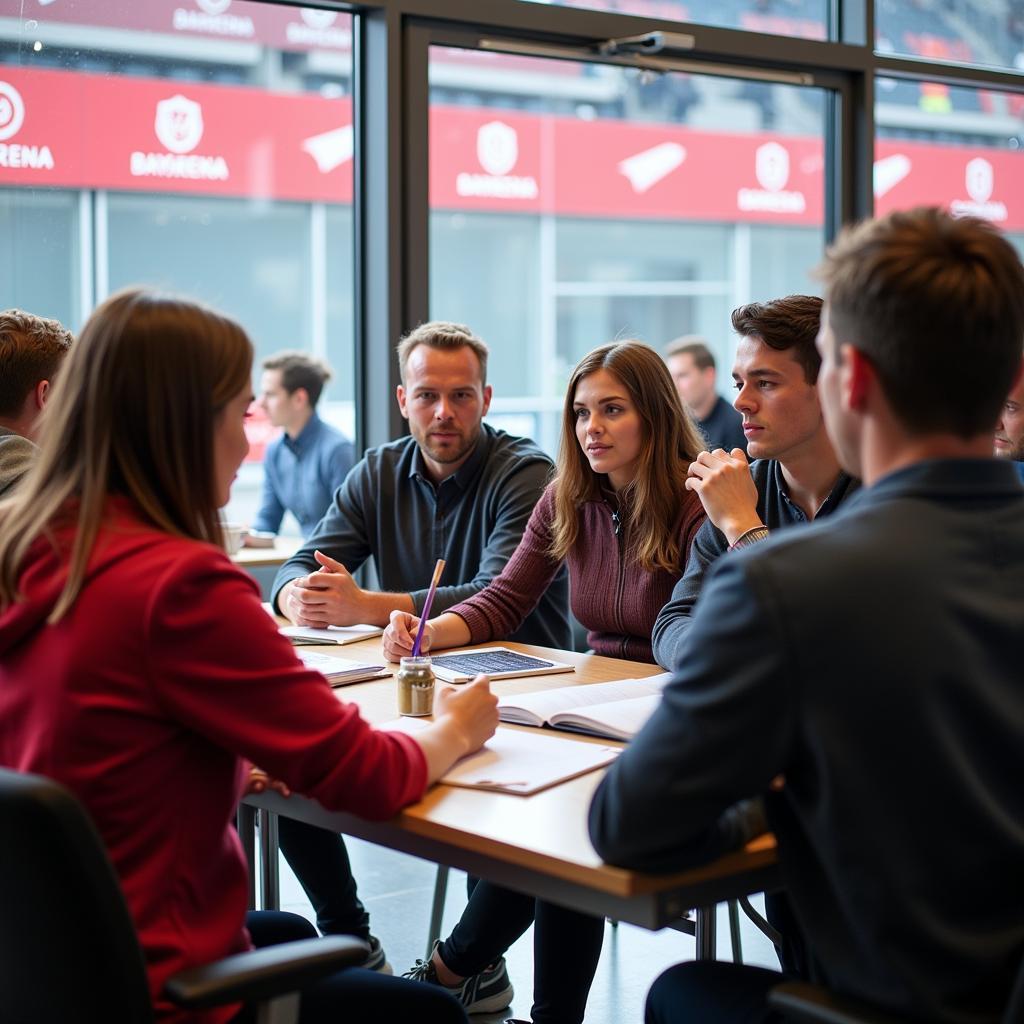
(12, 110)
(214, 7)
(979, 179)
(497, 148)
(318, 19)
(179, 124)
(771, 165)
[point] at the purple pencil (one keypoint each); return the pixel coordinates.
(438, 569)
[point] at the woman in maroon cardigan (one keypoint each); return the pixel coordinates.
(138, 668)
(619, 514)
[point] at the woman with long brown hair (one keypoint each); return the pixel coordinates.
(138, 668)
(619, 515)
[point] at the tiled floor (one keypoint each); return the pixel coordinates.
(397, 890)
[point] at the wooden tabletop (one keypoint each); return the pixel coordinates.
(537, 843)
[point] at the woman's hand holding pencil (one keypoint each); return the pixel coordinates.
(400, 636)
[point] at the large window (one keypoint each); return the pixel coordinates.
(199, 146)
(562, 223)
(966, 156)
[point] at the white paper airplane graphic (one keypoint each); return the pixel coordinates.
(646, 169)
(331, 149)
(889, 172)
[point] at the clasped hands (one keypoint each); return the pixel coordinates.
(726, 489)
(327, 597)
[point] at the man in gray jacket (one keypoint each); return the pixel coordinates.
(31, 351)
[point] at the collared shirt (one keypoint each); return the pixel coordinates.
(775, 509)
(300, 475)
(390, 511)
(723, 427)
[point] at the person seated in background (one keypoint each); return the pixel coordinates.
(305, 465)
(455, 489)
(115, 590)
(872, 660)
(32, 349)
(1009, 436)
(693, 369)
(619, 514)
(796, 476)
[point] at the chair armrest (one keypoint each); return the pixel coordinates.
(264, 973)
(800, 1001)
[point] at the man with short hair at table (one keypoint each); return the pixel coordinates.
(455, 489)
(795, 477)
(693, 370)
(872, 660)
(305, 465)
(32, 349)
(1009, 437)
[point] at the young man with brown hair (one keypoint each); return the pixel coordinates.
(31, 351)
(872, 660)
(795, 477)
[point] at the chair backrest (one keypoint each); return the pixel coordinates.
(68, 950)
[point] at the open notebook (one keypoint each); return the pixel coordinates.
(616, 710)
(330, 634)
(342, 671)
(518, 762)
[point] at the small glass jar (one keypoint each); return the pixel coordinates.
(415, 687)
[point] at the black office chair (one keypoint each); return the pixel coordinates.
(801, 1002)
(68, 949)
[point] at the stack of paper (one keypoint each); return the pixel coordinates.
(342, 671)
(330, 634)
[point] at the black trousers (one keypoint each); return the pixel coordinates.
(566, 947)
(712, 992)
(352, 995)
(320, 861)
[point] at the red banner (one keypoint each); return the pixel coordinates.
(70, 130)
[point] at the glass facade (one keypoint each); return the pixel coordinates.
(201, 147)
(556, 228)
(208, 147)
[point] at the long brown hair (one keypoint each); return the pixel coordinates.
(133, 413)
(670, 443)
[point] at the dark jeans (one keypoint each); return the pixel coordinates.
(712, 992)
(351, 995)
(320, 862)
(566, 947)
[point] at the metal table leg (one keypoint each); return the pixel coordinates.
(246, 824)
(270, 875)
(705, 933)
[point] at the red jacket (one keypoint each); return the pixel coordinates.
(147, 699)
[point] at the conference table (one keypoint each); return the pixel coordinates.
(536, 844)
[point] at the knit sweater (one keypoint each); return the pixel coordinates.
(614, 598)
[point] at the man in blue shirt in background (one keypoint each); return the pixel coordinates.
(308, 462)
